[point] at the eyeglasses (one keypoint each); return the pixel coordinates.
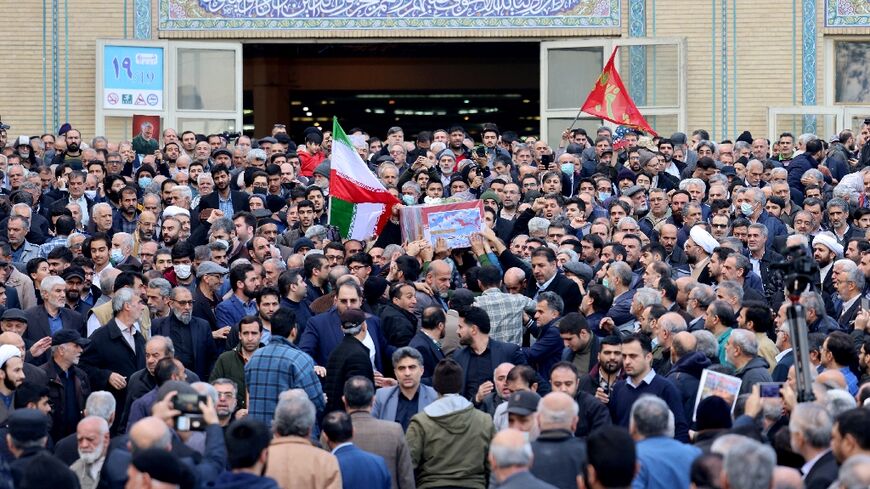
(184, 303)
(719, 226)
(279, 126)
(226, 395)
(356, 268)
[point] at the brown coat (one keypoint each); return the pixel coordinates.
(294, 462)
(385, 438)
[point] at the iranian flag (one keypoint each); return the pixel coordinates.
(359, 206)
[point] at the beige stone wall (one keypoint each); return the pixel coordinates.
(21, 96)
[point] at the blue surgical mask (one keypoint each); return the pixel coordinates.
(568, 168)
(116, 256)
(602, 196)
(408, 199)
(145, 182)
(746, 209)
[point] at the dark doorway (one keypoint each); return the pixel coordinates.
(375, 86)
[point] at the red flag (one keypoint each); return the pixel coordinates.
(610, 100)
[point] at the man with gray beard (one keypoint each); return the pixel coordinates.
(93, 444)
(191, 336)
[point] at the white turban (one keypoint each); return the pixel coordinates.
(703, 239)
(174, 210)
(828, 240)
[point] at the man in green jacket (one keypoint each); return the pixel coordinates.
(231, 364)
(449, 439)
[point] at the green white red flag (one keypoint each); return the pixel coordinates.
(359, 205)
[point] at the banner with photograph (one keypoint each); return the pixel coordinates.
(454, 222)
(717, 384)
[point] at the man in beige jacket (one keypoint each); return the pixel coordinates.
(293, 460)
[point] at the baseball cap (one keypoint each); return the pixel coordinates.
(73, 271)
(523, 403)
(69, 336)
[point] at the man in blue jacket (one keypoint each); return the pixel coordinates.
(358, 468)
(547, 350)
(323, 332)
(480, 355)
(813, 153)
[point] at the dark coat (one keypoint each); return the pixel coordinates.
(547, 350)
(847, 319)
(686, 376)
(57, 400)
(349, 358)
(37, 323)
(323, 334)
(752, 373)
(500, 351)
(398, 325)
(203, 347)
(559, 458)
(563, 286)
(431, 353)
(824, 472)
(592, 414)
(109, 352)
(210, 201)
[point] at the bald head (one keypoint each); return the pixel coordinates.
(513, 277)
(557, 411)
(683, 344)
(437, 267)
(503, 369)
(787, 478)
(510, 448)
(831, 377)
(151, 432)
(14, 339)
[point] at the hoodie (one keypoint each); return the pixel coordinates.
(686, 375)
(449, 441)
(242, 480)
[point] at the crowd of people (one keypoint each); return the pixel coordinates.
(179, 312)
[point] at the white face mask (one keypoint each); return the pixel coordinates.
(91, 194)
(182, 271)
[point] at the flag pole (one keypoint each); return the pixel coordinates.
(576, 118)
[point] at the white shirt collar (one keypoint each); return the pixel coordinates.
(341, 445)
(779, 356)
(847, 304)
(548, 282)
(648, 378)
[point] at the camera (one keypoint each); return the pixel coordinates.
(480, 151)
(191, 418)
(483, 171)
(546, 159)
(799, 268)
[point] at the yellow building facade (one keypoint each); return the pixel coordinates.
(722, 65)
